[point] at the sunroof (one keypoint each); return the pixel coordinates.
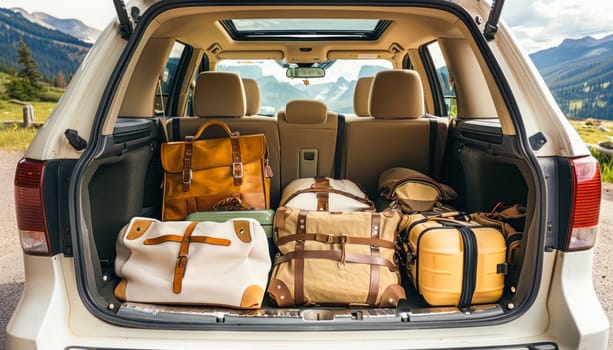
(305, 29)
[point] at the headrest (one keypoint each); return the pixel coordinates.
(397, 94)
(252, 95)
(219, 94)
(306, 112)
(361, 96)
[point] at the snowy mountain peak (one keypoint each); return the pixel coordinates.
(72, 27)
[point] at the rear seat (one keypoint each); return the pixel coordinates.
(397, 135)
(361, 97)
(252, 96)
(307, 132)
(221, 96)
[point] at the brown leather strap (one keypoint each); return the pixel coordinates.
(336, 239)
(375, 270)
(299, 260)
(237, 164)
(336, 256)
(322, 201)
(187, 164)
(321, 182)
(179, 239)
(192, 207)
(181, 264)
(368, 202)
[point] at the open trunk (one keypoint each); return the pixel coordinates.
(477, 153)
(124, 181)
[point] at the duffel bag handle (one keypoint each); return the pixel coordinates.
(210, 123)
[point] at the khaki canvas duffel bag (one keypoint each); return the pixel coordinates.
(454, 262)
(335, 258)
(325, 194)
(413, 191)
(510, 220)
(203, 175)
(195, 263)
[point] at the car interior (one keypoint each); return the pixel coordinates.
(439, 109)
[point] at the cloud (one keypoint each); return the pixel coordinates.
(539, 24)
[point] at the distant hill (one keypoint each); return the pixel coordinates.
(53, 50)
(72, 27)
(579, 73)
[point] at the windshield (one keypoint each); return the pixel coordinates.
(276, 89)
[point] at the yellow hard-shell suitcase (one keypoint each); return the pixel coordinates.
(453, 262)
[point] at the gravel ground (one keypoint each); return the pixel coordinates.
(11, 261)
(602, 274)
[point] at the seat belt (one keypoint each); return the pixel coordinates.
(340, 140)
(433, 146)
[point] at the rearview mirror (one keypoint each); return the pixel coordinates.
(305, 72)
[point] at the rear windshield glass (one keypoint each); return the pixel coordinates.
(276, 89)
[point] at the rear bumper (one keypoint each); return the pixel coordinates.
(51, 315)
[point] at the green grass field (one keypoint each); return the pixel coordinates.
(14, 138)
(13, 111)
(590, 132)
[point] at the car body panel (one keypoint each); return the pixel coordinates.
(565, 310)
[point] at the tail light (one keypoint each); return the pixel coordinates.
(30, 208)
(584, 204)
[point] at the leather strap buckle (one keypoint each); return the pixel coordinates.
(237, 170)
(187, 176)
(330, 239)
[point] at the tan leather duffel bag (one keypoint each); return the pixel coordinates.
(325, 194)
(413, 191)
(196, 263)
(200, 175)
(335, 258)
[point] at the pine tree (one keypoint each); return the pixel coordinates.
(30, 67)
(26, 85)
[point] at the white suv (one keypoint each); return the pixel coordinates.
(498, 136)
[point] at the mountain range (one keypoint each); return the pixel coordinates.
(579, 72)
(53, 50)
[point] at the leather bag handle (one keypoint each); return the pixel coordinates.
(237, 163)
(210, 123)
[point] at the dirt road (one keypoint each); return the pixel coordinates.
(11, 262)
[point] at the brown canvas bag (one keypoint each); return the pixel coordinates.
(510, 221)
(413, 191)
(203, 175)
(335, 258)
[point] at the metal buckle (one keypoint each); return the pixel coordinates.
(189, 181)
(330, 239)
(238, 165)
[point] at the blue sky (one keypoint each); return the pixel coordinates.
(537, 24)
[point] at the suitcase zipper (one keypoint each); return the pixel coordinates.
(469, 278)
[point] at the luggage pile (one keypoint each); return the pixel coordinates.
(217, 242)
